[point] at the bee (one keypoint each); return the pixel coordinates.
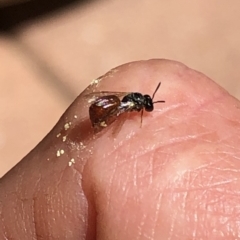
(107, 106)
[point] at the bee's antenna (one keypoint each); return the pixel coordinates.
(158, 86)
(159, 101)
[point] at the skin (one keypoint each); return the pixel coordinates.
(176, 177)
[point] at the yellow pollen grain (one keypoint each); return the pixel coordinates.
(66, 126)
(103, 124)
(58, 153)
(71, 162)
(94, 82)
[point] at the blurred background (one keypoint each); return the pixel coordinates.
(51, 50)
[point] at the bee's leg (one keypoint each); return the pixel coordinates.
(141, 117)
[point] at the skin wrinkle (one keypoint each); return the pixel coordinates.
(185, 197)
(219, 213)
(35, 229)
(224, 210)
(126, 161)
(233, 156)
(189, 216)
(59, 181)
(157, 215)
(75, 172)
(229, 177)
(111, 185)
(147, 173)
(31, 199)
(189, 219)
(140, 228)
(23, 222)
(194, 189)
(195, 220)
(172, 225)
(178, 122)
(205, 201)
(8, 231)
(117, 217)
(223, 117)
(231, 169)
(42, 226)
(2, 219)
(218, 200)
(124, 203)
(227, 224)
(208, 164)
(202, 125)
(202, 104)
(214, 166)
(123, 161)
(170, 108)
(225, 160)
(119, 146)
(187, 138)
(4, 234)
(206, 103)
(125, 199)
(151, 168)
(223, 140)
(195, 110)
(56, 187)
(221, 181)
(126, 140)
(226, 138)
(125, 225)
(135, 173)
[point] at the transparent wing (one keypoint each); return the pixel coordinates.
(92, 97)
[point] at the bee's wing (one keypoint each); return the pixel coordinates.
(92, 97)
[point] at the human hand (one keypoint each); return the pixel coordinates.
(176, 177)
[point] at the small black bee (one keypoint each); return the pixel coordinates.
(107, 106)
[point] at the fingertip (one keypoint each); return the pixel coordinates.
(137, 173)
(122, 175)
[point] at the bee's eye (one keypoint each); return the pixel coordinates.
(149, 107)
(148, 103)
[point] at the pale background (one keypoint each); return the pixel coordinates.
(47, 60)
